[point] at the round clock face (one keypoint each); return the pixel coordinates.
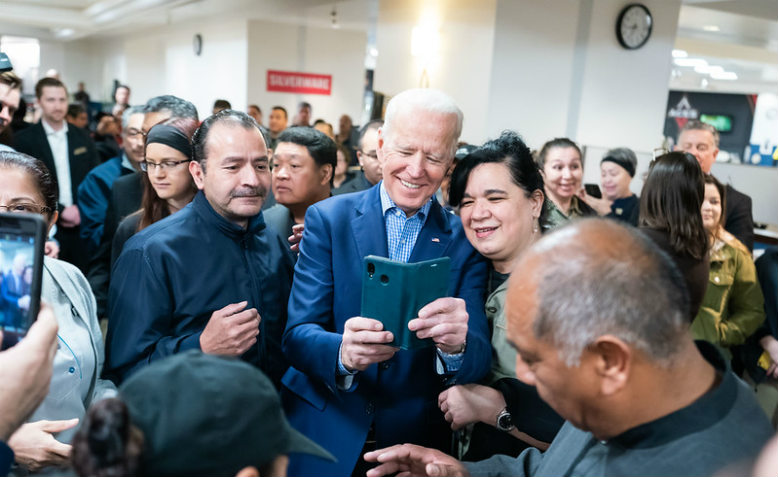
(634, 26)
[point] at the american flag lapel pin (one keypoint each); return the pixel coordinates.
(435, 239)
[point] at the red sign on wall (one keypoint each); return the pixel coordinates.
(291, 82)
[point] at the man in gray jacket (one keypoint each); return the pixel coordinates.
(599, 322)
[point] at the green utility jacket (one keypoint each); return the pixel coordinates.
(503, 354)
(733, 307)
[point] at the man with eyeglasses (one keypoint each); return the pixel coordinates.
(10, 95)
(212, 276)
(95, 190)
(368, 158)
(702, 141)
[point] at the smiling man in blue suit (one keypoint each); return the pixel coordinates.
(347, 389)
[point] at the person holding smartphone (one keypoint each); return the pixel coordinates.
(26, 185)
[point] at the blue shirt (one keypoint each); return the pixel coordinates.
(401, 234)
(401, 230)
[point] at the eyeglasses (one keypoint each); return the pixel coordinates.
(132, 132)
(25, 208)
(371, 155)
(146, 166)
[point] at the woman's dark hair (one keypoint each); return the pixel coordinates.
(107, 444)
(154, 209)
(44, 180)
(709, 179)
(671, 200)
(562, 142)
(508, 150)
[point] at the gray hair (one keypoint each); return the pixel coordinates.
(427, 100)
(696, 125)
(236, 118)
(627, 288)
(129, 112)
(178, 108)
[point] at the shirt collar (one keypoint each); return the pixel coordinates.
(126, 162)
(49, 130)
(387, 204)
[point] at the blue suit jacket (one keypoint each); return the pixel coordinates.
(399, 396)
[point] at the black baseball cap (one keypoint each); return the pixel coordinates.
(209, 415)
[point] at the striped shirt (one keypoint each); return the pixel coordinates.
(401, 230)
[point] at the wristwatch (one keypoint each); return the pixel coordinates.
(505, 421)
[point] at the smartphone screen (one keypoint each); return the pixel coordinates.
(21, 261)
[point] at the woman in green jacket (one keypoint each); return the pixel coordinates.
(733, 306)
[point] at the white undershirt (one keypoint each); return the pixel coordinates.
(58, 142)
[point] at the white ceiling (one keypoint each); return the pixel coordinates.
(746, 42)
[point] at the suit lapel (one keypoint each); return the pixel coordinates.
(434, 237)
(368, 225)
(46, 156)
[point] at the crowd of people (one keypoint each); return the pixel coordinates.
(580, 335)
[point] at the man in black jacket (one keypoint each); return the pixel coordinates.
(69, 154)
(211, 276)
(702, 140)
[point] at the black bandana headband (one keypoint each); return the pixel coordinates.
(172, 137)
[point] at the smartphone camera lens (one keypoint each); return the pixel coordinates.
(370, 270)
(384, 279)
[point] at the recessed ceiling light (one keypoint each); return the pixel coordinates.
(680, 54)
(693, 62)
(709, 69)
(711, 28)
(724, 75)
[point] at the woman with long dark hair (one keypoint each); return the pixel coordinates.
(670, 214)
(167, 184)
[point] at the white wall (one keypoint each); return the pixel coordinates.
(533, 67)
(466, 37)
(285, 47)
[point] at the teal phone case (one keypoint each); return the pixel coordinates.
(394, 292)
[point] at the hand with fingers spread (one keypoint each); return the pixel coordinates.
(364, 343)
(445, 321)
(25, 372)
(35, 447)
(231, 331)
(408, 459)
(468, 403)
(296, 237)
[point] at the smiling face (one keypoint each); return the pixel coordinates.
(297, 179)
(53, 103)
(615, 181)
(237, 175)
(711, 208)
(498, 217)
(415, 155)
(563, 172)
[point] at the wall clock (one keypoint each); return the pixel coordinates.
(633, 27)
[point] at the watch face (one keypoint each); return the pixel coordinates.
(634, 26)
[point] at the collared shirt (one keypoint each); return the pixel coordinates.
(401, 234)
(126, 162)
(58, 142)
(401, 230)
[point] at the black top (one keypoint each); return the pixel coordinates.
(695, 271)
(626, 209)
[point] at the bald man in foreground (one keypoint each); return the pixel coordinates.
(598, 322)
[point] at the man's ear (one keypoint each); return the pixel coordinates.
(198, 174)
(612, 360)
(52, 221)
(326, 172)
